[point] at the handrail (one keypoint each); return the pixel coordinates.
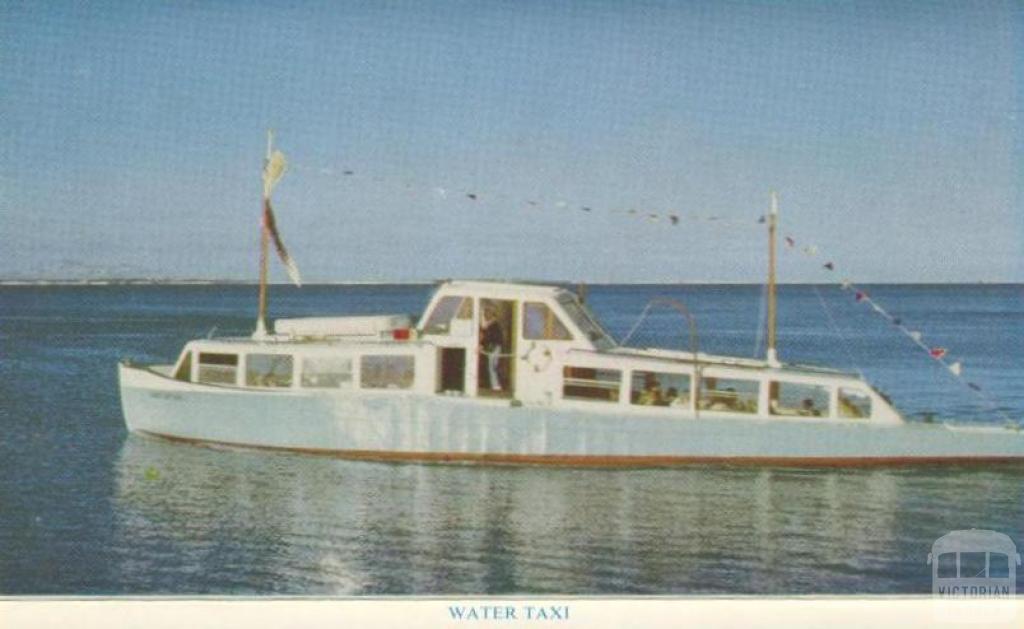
(694, 346)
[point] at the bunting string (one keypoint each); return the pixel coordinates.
(939, 354)
(675, 218)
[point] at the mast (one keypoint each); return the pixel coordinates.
(773, 219)
(261, 317)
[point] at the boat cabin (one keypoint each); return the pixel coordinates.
(520, 344)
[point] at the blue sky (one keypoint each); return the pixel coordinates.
(133, 138)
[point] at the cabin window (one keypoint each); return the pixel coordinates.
(972, 565)
(854, 404)
(998, 566)
(387, 372)
(326, 372)
(589, 383)
(728, 394)
(579, 315)
(451, 315)
(651, 388)
(803, 400)
(217, 368)
(947, 566)
(184, 372)
(540, 323)
(268, 370)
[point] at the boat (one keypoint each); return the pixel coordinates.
(523, 373)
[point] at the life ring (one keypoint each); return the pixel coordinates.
(538, 364)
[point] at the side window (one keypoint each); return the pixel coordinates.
(972, 565)
(854, 404)
(184, 372)
(588, 383)
(387, 372)
(540, 323)
(217, 368)
(326, 372)
(451, 315)
(651, 388)
(268, 370)
(998, 566)
(804, 400)
(728, 394)
(947, 566)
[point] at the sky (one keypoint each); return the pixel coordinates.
(133, 139)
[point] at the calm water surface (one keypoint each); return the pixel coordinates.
(86, 509)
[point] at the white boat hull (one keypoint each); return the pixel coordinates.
(412, 426)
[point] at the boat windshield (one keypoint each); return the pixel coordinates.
(585, 321)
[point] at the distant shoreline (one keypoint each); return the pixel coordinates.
(223, 282)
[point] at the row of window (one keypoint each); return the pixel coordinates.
(647, 388)
(650, 388)
(973, 565)
(316, 372)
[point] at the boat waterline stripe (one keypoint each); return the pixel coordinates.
(622, 461)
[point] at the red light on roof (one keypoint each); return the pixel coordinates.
(401, 334)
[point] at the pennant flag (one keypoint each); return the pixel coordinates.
(761, 220)
(790, 242)
(471, 195)
(632, 211)
(897, 321)
(674, 219)
(585, 208)
(271, 226)
(811, 250)
(829, 266)
(916, 336)
(956, 368)
(859, 296)
(845, 285)
(273, 170)
(974, 386)
(878, 309)
(534, 203)
(937, 352)
(348, 172)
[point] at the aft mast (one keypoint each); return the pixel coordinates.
(773, 220)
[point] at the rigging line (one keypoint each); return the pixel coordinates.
(843, 341)
(639, 320)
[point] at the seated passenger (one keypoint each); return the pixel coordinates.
(670, 396)
(807, 408)
(651, 395)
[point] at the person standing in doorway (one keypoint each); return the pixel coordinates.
(492, 339)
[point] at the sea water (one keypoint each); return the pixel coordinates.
(87, 509)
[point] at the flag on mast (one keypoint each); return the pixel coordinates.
(271, 225)
(272, 173)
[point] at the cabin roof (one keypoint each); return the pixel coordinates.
(502, 288)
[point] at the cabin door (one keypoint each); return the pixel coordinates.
(496, 348)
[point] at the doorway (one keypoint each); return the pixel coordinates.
(496, 344)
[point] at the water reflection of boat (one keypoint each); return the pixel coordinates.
(201, 520)
(522, 373)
